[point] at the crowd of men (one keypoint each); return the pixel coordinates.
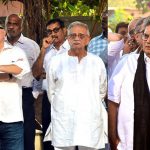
(72, 70)
(74, 85)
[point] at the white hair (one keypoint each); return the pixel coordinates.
(78, 23)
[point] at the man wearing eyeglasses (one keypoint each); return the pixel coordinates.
(129, 96)
(76, 89)
(13, 66)
(53, 44)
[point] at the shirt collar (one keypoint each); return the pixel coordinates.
(20, 40)
(102, 36)
(65, 45)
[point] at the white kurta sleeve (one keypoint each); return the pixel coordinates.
(115, 82)
(103, 82)
(50, 76)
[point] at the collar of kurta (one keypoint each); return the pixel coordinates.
(20, 40)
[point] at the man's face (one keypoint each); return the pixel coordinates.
(78, 38)
(55, 31)
(146, 41)
(13, 26)
(123, 31)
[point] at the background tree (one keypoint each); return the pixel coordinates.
(37, 12)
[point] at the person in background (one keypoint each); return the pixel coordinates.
(53, 44)
(98, 45)
(77, 85)
(13, 25)
(13, 66)
(122, 28)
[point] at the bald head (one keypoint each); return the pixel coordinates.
(131, 26)
(13, 26)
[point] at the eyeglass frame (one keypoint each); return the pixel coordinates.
(80, 36)
(55, 30)
(144, 34)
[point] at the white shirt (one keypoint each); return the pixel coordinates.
(76, 91)
(52, 51)
(11, 91)
(114, 50)
(120, 90)
(32, 51)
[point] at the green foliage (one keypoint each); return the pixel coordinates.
(122, 3)
(119, 16)
(144, 5)
(74, 8)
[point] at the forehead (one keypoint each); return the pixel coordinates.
(78, 29)
(14, 19)
(53, 25)
(123, 28)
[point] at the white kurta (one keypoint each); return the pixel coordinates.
(120, 90)
(76, 91)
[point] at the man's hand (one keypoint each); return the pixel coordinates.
(130, 46)
(47, 41)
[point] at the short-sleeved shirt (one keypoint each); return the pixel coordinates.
(11, 91)
(98, 46)
(32, 51)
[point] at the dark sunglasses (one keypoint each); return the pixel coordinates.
(55, 30)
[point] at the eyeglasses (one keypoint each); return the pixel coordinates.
(55, 30)
(142, 31)
(80, 36)
(132, 32)
(145, 36)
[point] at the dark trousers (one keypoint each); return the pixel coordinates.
(29, 119)
(46, 119)
(11, 136)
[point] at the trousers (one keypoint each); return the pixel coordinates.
(29, 119)
(11, 136)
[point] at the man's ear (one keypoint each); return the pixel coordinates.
(88, 40)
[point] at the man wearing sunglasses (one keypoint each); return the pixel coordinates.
(53, 44)
(13, 66)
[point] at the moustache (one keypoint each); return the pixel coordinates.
(54, 37)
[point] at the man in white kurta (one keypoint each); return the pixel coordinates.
(76, 90)
(121, 97)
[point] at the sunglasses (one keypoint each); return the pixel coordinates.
(80, 36)
(55, 30)
(132, 32)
